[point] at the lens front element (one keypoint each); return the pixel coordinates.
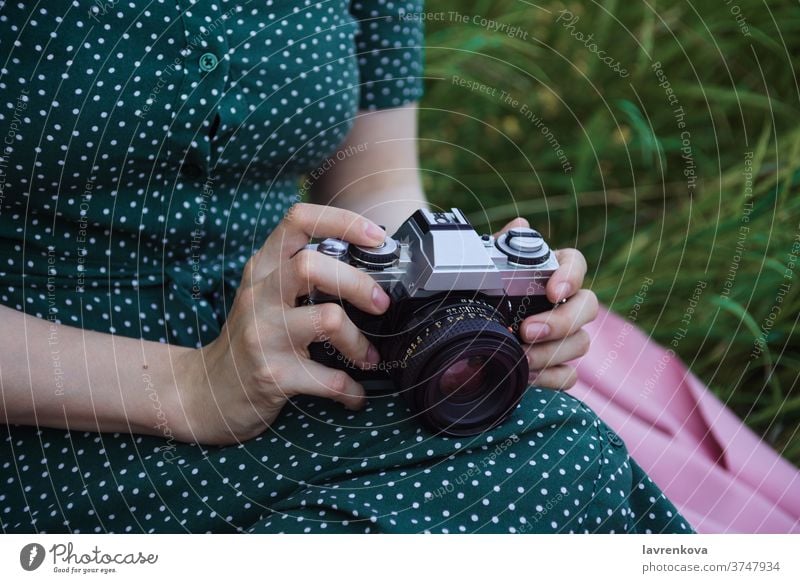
(463, 380)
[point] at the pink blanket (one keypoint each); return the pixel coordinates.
(713, 468)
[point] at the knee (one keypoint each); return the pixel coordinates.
(557, 432)
(555, 413)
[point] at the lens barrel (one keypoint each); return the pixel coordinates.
(463, 371)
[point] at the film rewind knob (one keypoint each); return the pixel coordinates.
(524, 246)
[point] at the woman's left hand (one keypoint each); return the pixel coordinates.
(556, 337)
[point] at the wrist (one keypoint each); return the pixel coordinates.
(166, 380)
(197, 409)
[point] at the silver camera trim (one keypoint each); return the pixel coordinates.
(439, 256)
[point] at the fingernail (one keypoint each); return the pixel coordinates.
(380, 299)
(372, 355)
(535, 330)
(374, 232)
(563, 291)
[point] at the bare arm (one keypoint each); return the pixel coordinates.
(60, 376)
(65, 377)
(229, 390)
(53, 375)
(376, 170)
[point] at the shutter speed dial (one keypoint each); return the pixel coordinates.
(376, 258)
(373, 258)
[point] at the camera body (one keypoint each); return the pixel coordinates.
(449, 341)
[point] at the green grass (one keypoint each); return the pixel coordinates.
(627, 202)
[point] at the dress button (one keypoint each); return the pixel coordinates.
(192, 171)
(614, 439)
(209, 62)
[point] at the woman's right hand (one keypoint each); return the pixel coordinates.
(233, 388)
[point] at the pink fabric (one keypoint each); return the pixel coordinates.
(720, 475)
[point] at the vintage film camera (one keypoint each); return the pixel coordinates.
(449, 339)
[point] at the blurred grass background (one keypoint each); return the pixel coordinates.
(627, 201)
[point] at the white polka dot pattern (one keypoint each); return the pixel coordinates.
(324, 469)
(150, 147)
(156, 145)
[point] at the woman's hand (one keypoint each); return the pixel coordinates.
(233, 388)
(557, 336)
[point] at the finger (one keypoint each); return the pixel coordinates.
(561, 377)
(309, 270)
(568, 278)
(304, 221)
(329, 323)
(555, 352)
(563, 320)
(518, 222)
(311, 378)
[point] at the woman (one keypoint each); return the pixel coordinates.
(154, 367)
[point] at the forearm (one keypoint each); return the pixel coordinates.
(58, 376)
(376, 169)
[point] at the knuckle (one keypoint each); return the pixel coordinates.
(332, 318)
(363, 286)
(297, 214)
(538, 378)
(251, 339)
(584, 342)
(245, 296)
(517, 222)
(571, 259)
(574, 254)
(592, 302)
(249, 269)
(337, 383)
(564, 254)
(535, 357)
(303, 264)
(270, 377)
(561, 325)
(570, 378)
(265, 375)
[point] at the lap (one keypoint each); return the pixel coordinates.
(554, 466)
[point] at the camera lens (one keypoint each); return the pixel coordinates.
(463, 380)
(463, 370)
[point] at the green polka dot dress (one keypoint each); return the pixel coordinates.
(149, 148)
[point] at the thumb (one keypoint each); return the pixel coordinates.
(518, 222)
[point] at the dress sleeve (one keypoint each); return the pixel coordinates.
(389, 48)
